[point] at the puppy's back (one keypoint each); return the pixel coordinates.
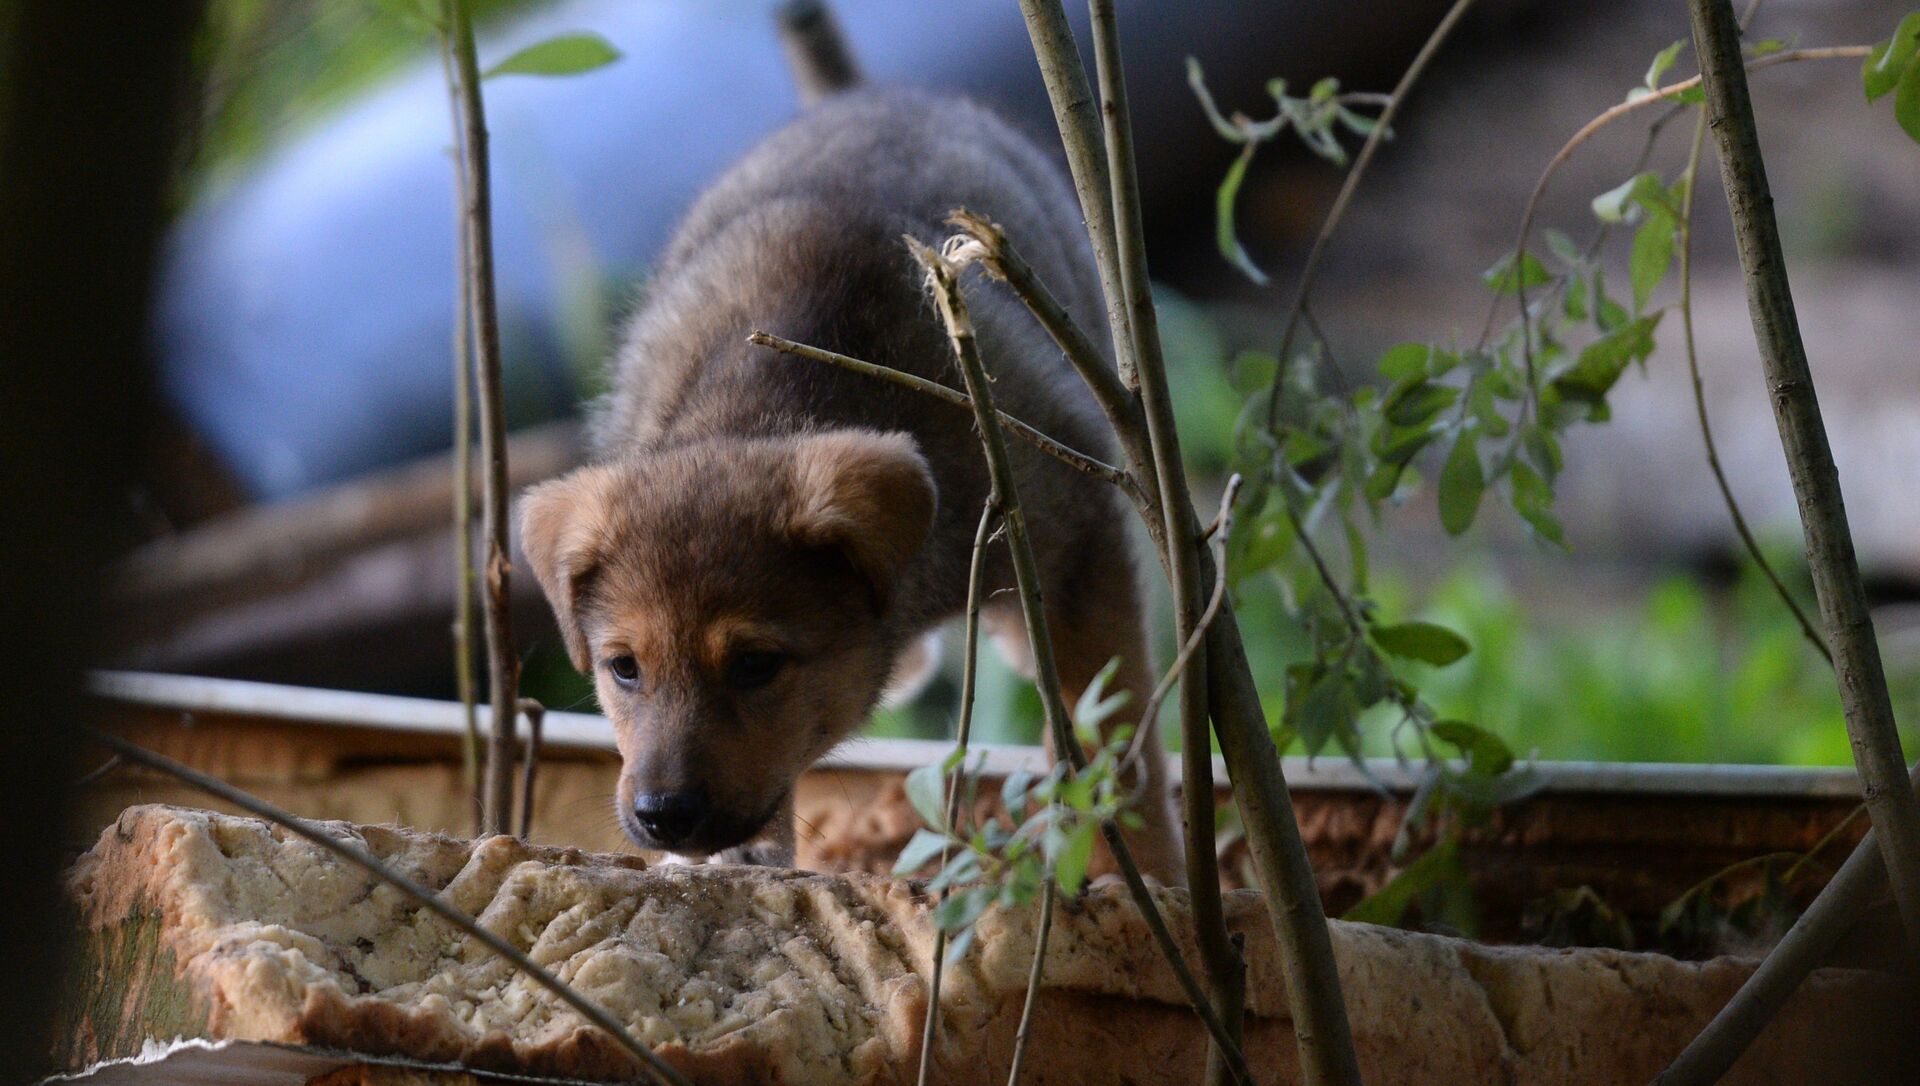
(802, 238)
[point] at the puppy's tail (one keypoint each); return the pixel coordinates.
(816, 50)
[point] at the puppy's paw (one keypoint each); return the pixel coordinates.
(755, 854)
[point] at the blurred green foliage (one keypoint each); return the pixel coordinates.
(272, 68)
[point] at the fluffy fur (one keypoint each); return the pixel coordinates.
(745, 505)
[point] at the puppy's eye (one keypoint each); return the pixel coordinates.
(749, 670)
(626, 670)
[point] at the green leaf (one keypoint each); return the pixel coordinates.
(1486, 753)
(1405, 361)
(962, 909)
(567, 54)
(1327, 709)
(1661, 62)
(1563, 247)
(1888, 60)
(1605, 359)
(1224, 235)
(1652, 255)
(1422, 641)
(1070, 868)
(1502, 279)
(1461, 483)
(1414, 403)
(926, 790)
(1096, 705)
(1388, 905)
(924, 846)
(1906, 101)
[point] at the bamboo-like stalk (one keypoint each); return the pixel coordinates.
(1073, 111)
(503, 664)
(963, 733)
(1838, 906)
(1226, 974)
(463, 582)
(1054, 710)
(595, 1014)
(1836, 574)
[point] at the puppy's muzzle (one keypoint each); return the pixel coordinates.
(670, 818)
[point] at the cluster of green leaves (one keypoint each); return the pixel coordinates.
(1894, 66)
(1316, 118)
(1044, 830)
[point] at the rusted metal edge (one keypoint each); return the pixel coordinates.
(237, 699)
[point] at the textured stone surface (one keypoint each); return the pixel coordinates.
(747, 975)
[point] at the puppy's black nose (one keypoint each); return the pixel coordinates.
(670, 817)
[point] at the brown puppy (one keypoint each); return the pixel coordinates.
(765, 541)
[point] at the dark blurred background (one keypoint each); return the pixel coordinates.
(296, 493)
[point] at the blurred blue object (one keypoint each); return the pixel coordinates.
(306, 311)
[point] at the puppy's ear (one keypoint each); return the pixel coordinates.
(559, 532)
(869, 494)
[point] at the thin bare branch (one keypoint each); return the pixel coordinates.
(992, 251)
(98, 773)
(1060, 451)
(953, 311)
(1033, 981)
(1217, 533)
(1816, 482)
(963, 733)
(595, 1014)
(536, 715)
(1382, 129)
(1700, 397)
(503, 663)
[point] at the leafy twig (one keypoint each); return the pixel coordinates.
(1351, 184)
(1700, 396)
(953, 312)
(1605, 118)
(595, 1014)
(1058, 450)
(963, 733)
(1033, 981)
(503, 665)
(1816, 483)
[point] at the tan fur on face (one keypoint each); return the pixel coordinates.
(686, 557)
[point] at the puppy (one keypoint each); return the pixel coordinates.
(763, 544)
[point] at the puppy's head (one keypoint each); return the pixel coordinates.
(730, 600)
